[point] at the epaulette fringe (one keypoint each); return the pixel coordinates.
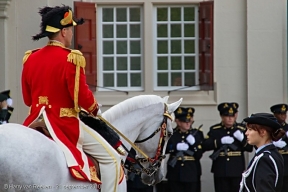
(76, 57)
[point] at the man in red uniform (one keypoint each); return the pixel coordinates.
(54, 86)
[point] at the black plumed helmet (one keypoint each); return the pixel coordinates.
(54, 19)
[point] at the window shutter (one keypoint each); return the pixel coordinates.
(206, 45)
(85, 40)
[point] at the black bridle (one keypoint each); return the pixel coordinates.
(134, 164)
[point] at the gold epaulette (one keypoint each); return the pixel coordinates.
(216, 127)
(27, 54)
(242, 128)
(77, 58)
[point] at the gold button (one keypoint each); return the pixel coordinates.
(49, 106)
(228, 149)
(228, 159)
(183, 137)
(228, 132)
(37, 105)
(182, 164)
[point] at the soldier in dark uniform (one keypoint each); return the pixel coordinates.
(228, 141)
(6, 108)
(184, 146)
(280, 112)
(265, 170)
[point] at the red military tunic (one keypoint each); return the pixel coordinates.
(54, 85)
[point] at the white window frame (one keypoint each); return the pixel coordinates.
(196, 38)
(100, 49)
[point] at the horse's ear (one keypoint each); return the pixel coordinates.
(165, 99)
(173, 106)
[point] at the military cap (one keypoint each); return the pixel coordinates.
(3, 97)
(184, 114)
(6, 96)
(6, 92)
(54, 19)
(265, 119)
(279, 108)
(228, 109)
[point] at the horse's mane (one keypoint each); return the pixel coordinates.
(131, 104)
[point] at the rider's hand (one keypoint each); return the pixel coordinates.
(182, 146)
(97, 111)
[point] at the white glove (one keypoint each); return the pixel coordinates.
(190, 139)
(287, 133)
(182, 146)
(227, 140)
(9, 102)
(280, 144)
(238, 135)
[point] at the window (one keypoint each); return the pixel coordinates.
(178, 52)
(120, 42)
(176, 44)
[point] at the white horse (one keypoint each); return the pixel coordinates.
(29, 161)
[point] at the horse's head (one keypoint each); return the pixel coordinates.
(145, 120)
(152, 142)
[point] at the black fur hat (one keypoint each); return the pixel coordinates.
(54, 19)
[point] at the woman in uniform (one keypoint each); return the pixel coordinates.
(265, 170)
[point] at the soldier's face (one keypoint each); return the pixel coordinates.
(281, 117)
(183, 126)
(228, 121)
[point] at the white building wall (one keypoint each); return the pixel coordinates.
(249, 59)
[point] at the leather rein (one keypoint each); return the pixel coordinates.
(155, 162)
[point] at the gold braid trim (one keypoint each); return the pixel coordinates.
(92, 106)
(77, 58)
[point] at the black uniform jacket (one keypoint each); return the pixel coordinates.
(187, 168)
(229, 163)
(5, 114)
(284, 151)
(266, 174)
